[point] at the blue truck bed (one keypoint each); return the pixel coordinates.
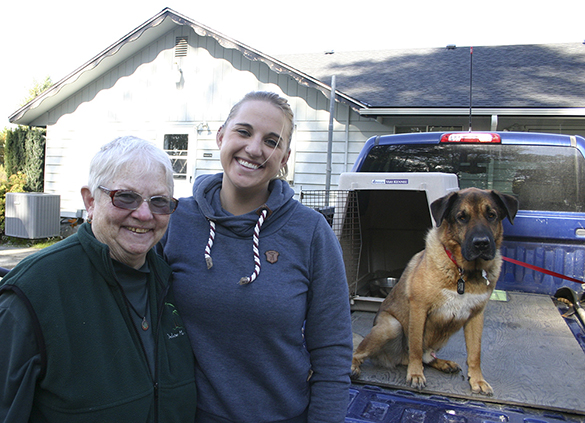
(374, 404)
(530, 357)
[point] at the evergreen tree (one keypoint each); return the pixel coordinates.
(37, 89)
(35, 159)
(14, 150)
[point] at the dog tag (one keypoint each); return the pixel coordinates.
(484, 274)
(460, 286)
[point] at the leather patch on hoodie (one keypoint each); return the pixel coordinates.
(272, 256)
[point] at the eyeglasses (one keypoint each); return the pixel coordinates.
(129, 200)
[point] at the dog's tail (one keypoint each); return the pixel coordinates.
(393, 353)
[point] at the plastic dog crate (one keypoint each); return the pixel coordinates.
(381, 220)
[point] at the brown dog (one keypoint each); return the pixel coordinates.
(444, 287)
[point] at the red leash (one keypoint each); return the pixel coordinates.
(540, 269)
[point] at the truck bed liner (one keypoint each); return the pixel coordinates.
(529, 356)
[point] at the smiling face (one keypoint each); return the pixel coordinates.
(130, 234)
(253, 149)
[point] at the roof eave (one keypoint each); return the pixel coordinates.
(85, 73)
(112, 55)
(479, 111)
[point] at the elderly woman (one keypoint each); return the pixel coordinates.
(89, 328)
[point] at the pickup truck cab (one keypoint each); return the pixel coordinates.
(533, 349)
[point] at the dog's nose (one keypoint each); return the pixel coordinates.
(481, 243)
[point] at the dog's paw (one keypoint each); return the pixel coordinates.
(355, 369)
(446, 366)
(417, 381)
(481, 387)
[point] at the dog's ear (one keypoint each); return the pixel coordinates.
(441, 207)
(508, 204)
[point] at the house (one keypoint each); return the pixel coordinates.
(173, 81)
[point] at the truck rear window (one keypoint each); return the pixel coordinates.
(547, 178)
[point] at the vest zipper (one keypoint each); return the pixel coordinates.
(126, 301)
(154, 377)
(155, 402)
(164, 293)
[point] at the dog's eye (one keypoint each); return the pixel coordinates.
(462, 217)
(491, 215)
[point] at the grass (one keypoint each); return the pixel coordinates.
(26, 243)
(42, 243)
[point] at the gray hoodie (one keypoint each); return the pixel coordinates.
(265, 301)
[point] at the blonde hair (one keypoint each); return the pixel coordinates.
(277, 101)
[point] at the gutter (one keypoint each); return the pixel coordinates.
(435, 111)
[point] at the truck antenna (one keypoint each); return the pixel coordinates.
(470, 83)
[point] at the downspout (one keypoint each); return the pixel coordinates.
(330, 136)
(346, 159)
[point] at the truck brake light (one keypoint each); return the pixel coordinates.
(472, 137)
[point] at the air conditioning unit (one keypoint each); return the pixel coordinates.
(32, 215)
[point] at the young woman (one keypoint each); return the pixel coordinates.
(260, 282)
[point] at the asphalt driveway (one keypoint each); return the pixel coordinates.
(10, 255)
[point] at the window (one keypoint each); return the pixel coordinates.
(176, 146)
(541, 177)
(410, 129)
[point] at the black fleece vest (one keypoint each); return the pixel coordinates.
(95, 368)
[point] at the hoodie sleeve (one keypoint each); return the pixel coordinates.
(328, 328)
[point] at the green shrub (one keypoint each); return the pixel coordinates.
(24, 151)
(15, 183)
(14, 150)
(24, 160)
(34, 166)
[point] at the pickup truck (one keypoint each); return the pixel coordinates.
(533, 347)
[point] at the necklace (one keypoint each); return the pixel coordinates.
(144, 325)
(137, 285)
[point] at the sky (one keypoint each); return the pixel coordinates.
(53, 38)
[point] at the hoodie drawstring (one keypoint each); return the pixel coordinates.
(208, 259)
(249, 279)
(263, 213)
